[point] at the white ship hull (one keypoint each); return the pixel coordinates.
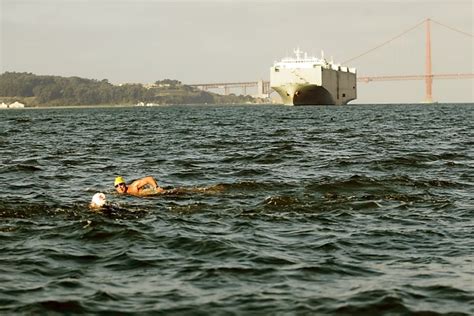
(313, 82)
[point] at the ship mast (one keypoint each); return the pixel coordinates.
(297, 53)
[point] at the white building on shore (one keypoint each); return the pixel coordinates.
(16, 105)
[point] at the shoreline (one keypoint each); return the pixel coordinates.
(232, 104)
(129, 106)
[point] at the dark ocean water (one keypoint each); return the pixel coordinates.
(354, 210)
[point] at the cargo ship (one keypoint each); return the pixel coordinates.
(313, 81)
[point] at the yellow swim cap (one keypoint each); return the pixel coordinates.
(119, 180)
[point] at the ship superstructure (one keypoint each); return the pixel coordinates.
(313, 81)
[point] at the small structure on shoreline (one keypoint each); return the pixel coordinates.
(14, 105)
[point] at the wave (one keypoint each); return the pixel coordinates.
(421, 160)
(385, 183)
(399, 302)
(24, 167)
(59, 306)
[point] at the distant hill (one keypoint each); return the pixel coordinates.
(34, 90)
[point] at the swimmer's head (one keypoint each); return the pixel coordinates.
(120, 185)
(98, 200)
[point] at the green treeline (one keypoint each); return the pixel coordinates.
(34, 90)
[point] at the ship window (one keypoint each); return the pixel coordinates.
(343, 95)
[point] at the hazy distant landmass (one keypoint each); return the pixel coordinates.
(35, 91)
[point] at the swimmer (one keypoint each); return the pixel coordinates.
(141, 187)
(98, 201)
(100, 204)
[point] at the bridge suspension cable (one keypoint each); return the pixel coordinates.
(384, 43)
(452, 28)
(403, 33)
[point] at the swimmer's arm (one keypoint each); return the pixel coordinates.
(138, 184)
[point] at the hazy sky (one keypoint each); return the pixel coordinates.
(231, 41)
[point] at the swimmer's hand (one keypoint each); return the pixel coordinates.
(159, 189)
